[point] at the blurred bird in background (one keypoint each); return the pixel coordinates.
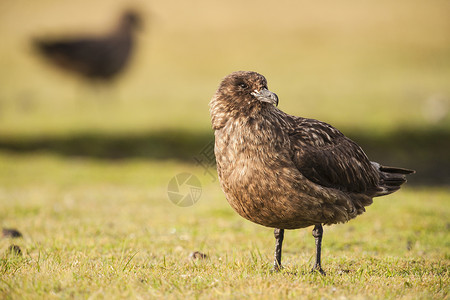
(100, 58)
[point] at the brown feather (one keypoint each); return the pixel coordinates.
(289, 172)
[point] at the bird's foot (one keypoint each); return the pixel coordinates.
(318, 269)
(276, 269)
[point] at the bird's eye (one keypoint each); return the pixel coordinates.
(243, 85)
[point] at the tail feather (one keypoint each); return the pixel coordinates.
(391, 178)
(43, 47)
(49, 47)
(396, 170)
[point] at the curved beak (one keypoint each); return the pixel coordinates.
(264, 95)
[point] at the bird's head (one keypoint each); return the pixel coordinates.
(246, 87)
(131, 19)
(241, 92)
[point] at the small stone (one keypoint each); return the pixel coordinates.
(11, 232)
(14, 249)
(198, 255)
(409, 245)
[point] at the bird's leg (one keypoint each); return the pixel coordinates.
(279, 235)
(317, 234)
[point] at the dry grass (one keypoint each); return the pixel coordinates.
(99, 230)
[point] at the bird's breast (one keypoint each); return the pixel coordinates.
(254, 168)
(248, 144)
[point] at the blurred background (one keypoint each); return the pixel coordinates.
(88, 149)
(377, 70)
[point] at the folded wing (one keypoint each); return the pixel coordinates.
(328, 158)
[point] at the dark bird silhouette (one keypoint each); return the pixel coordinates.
(102, 57)
(289, 172)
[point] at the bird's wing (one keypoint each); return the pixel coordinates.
(81, 55)
(73, 49)
(326, 157)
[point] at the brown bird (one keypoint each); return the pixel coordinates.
(289, 172)
(101, 57)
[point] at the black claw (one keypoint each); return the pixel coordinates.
(276, 269)
(320, 270)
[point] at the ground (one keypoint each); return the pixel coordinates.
(92, 229)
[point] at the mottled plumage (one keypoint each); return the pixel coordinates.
(100, 57)
(289, 172)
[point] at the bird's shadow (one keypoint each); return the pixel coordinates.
(424, 150)
(160, 145)
(301, 272)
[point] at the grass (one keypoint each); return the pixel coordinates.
(96, 229)
(84, 169)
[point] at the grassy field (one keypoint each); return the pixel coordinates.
(84, 168)
(101, 230)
